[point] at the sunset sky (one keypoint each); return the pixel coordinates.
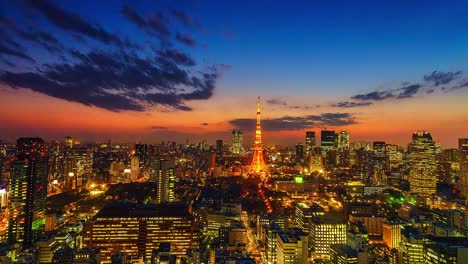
(148, 71)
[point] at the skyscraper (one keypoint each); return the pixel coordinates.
(343, 139)
(162, 172)
(219, 147)
(463, 152)
(32, 153)
(423, 165)
(237, 141)
(258, 162)
(299, 153)
(327, 139)
(17, 201)
(310, 142)
(141, 151)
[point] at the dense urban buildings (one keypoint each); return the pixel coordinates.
(340, 202)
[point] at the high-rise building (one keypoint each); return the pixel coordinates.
(392, 233)
(423, 164)
(310, 142)
(343, 140)
(411, 246)
(327, 140)
(258, 162)
(463, 152)
(379, 162)
(237, 141)
(162, 172)
(69, 142)
(141, 151)
(32, 168)
(324, 232)
(136, 230)
(299, 153)
(16, 214)
(292, 247)
(445, 249)
(219, 147)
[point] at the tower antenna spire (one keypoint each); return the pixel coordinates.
(258, 162)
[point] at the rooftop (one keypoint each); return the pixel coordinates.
(115, 209)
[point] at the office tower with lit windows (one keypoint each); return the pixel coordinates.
(219, 147)
(78, 166)
(342, 140)
(445, 249)
(141, 151)
(327, 139)
(292, 247)
(324, 232)
(299, 153)
(16, 214)
(136, 230)
(343, 151)
(423, 164)
(32, 167)
(379, 162)
(237, 141)
(463, 159)
(310, 142)
(69, 142)
(411, 246)
(271, 252)
(162, 172)
(303, 213)
(392, 233)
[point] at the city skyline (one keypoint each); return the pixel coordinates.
(376, 85)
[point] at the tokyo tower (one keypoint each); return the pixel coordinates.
(258, 162)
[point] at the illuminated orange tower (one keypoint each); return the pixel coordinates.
(257, 161)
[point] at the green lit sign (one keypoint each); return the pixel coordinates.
(298, 179)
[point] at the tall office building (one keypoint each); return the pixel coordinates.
(17, 201)
(392, 234)
(310, 142)
(343, 139)
(463, 152)
(237, 141)
(411, 246)
(32, 168)
(423, 164)
(141, 151)
(292, 247)
(219, 147)
(68, 142)
(137, 230)
(324, 232)
(299, 153)
(162, 172)
(379, 162)
(327, 140)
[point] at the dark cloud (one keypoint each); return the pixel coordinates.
(159, 128)
(133, 16)
(348, 104)
(185, 39)
(15, 52)
(204, 124)
(182, 17)
(408, 91)
(373, 96)
(439, 78)
(70, 21)
(297, 122)
(277, 102)
(43, 39)
(177, 57)
(119, 81)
